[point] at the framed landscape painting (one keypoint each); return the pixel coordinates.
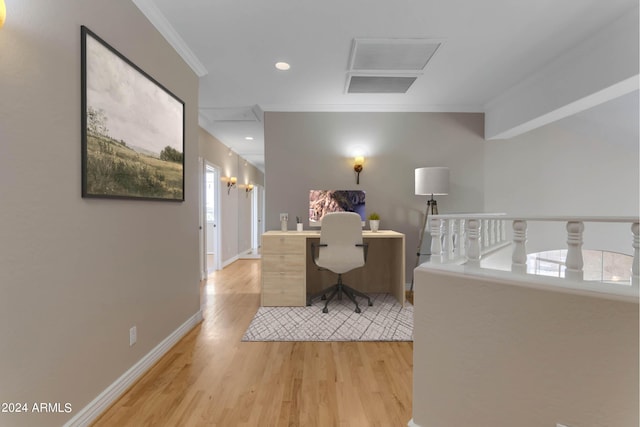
(132, 129)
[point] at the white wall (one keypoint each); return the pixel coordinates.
(582, 165)
(499, 355)
(601, 67)
(305, 151)
(76, 274)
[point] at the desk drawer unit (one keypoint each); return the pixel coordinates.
(279, 245)
(283, 271)
(282, 289)
(284, 263)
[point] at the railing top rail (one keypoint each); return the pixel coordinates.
(623, 219)
(564, 285)
(469, 215)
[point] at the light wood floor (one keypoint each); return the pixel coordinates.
(211, 378)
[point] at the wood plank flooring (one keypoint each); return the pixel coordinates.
(211, 378)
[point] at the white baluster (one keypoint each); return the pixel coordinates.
(436, 243)
(574, 262)
(485, 234)
(519, 257)
(446, 240)
(492, 231)
(635, 267)
(473, 235)
(503, 226)
(457, 238)
(463, 237)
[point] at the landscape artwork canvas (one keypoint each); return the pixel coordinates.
(132, 129)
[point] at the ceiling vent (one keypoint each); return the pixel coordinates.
(237, 114)
(388, 65)
(379, 84)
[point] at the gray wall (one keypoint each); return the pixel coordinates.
(582, 165)
(76, 274)
(305, 151)
(235, 207)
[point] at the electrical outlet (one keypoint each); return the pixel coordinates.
(133, 335)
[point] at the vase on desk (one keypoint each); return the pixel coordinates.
(374, 224)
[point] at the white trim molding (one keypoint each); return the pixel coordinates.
(230, 261)
(112, 393)
(157, 18)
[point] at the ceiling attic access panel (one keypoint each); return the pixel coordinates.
(388, 65)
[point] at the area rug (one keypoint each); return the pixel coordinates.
(386, 320)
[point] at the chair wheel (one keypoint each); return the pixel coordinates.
(325, 310)
(370, 304)
(357, 309)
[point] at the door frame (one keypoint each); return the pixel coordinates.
(204, 235)
(257, 215)
(254, 219)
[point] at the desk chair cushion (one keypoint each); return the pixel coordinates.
(341, 232)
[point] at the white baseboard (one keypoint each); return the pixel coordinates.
(250, 255)
(112, 393)
(230, 261)
(412, 424)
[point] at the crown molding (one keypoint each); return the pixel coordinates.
(157, 18)
(366, 108)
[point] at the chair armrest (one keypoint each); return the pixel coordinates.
(365, 247)
(313, 251)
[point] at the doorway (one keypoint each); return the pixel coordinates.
(257, 212)
(210, 219)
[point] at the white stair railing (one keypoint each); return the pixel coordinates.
(469, 237)
(458, 236)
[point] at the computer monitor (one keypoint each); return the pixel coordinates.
(322, 202)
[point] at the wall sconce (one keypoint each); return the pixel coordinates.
(231, 182)
(358, 164)
(248, 189)
(3, 13)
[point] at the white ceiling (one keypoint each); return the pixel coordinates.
(489, 46)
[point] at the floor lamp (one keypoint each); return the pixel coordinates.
(432, 181)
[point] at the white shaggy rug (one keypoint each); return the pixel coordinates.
(386, 320)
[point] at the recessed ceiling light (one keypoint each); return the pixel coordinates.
(282, 66)
(248, 138)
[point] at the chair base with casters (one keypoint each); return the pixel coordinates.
(337, 290)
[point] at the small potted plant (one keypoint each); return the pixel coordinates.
(374, 221)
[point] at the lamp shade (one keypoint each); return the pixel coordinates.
(432, 181)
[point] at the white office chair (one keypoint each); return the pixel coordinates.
(341, 250)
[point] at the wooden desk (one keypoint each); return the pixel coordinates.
(288, 272)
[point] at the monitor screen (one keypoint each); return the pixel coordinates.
(322, 202)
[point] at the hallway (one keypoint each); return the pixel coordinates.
(211, 378)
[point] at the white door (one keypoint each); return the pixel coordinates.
(210, 223)
(257, 208)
